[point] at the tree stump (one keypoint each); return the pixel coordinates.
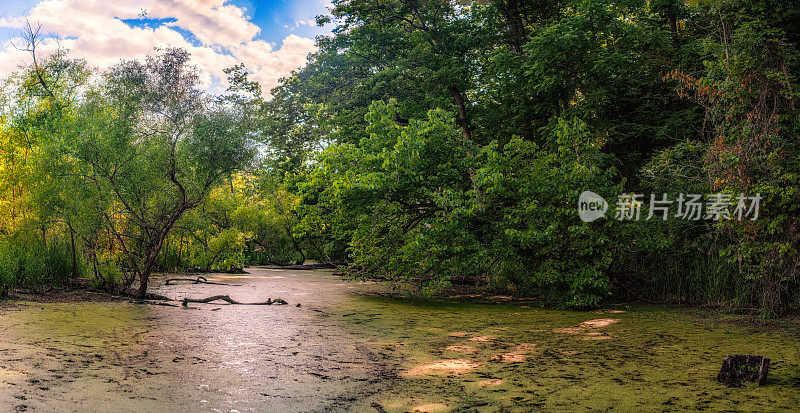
(741, 367)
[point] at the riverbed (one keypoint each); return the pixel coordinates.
(348, 347)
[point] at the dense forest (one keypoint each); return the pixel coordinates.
(429, 142)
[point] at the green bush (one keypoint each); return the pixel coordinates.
(422, 205)
(402, 197)
(539, 244)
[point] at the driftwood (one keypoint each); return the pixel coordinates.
(198, 280)
(230, 300)
(740, 367)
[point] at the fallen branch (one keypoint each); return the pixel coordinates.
(156, 303)
(198, 280)
(230, 300)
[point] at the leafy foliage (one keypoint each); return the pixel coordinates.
(432, 143)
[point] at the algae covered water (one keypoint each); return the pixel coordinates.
(348, 349)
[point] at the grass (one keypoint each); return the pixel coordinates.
(29, 262)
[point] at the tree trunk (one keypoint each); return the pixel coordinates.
(743, 367)
(93, 255)
(673, 26)
(150, 259)
(299, 250)
(321, 253)
(74, 256)
(152, 248)
(295, 245)
(128, 281)
(180, 251)
(144, 277)
(463, 121)
(510, 10)
(164, 258)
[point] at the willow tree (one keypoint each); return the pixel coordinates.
(150, 146)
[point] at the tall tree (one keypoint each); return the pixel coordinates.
(152, 146)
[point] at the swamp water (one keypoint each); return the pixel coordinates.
(347, 350)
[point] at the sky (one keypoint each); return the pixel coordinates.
(271, 37)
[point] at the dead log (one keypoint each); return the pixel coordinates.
(741, 367)
(198, 280)
(176, 280)
(230, 300)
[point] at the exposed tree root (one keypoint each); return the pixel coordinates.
(230, 300)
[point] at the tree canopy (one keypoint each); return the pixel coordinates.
(434, 142)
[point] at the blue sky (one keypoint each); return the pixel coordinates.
(12, 8)
(271, 37)
(276, 18)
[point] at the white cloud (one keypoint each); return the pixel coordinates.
(94, 30)
(290, 56)
(10, 58)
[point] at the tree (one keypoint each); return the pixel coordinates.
(398, 197)
(750, 143)
(152, 146)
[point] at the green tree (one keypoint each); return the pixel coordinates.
(153, 147)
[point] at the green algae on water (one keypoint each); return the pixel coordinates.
(452, 356)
